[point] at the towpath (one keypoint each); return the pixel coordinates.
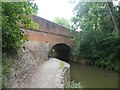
(47, 75)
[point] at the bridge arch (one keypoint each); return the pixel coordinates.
(60, 51)
(50, 36)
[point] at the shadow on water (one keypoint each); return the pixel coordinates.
(92, 77)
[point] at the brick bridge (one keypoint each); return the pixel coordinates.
(52, 35)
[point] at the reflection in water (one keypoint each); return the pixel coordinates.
(91, 77)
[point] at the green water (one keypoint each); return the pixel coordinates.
(92, 77)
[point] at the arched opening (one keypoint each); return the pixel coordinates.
(60, 51)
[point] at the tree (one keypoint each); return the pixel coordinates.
(14, 14)
(62, 21)
(92, 16)
(97, 41)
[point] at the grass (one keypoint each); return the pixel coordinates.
(72, 84)
(6, 67)
(62, 65)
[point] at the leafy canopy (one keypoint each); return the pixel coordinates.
(62, 21)
(13, 15)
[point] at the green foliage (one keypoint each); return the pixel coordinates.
(62, 65)
(52, 52)
(72, 84)
(62, 21)
(97, 41)
(92, 16)
(7, 63)
(13, 15)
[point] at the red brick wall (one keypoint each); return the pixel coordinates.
(48, 26)
(49, 32)
(51, 39)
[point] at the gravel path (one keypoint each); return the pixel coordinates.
(47, 75)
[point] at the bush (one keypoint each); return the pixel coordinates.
(13, 15)
(72, 84)
(100, 49)
(7, 63)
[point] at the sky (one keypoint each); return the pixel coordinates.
(49, 9)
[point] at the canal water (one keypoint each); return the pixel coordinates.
(93, 77)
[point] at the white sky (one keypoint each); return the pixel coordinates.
(49, 9)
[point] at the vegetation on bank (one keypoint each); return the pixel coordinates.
(13, 15)
(62, 65)
(7, 62)
(72, 84)
(98, 40)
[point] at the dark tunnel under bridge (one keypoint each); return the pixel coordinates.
(60, 51)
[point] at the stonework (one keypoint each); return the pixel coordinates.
(51, 27)
(49, 32)
(31, 54)
(49, 39)
(66, 74)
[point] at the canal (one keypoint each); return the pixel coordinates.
(93, 77)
